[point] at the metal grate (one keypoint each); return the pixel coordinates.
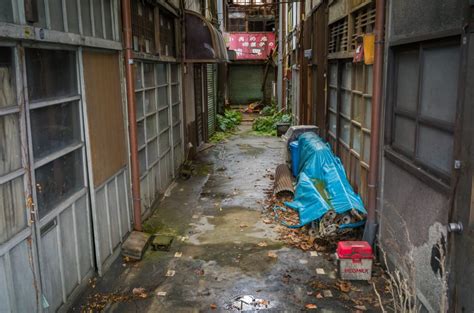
(363, 22)
(211, 99)
(338, 33)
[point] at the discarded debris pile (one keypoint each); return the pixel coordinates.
(98, 302)
(323, 198)
(253, 107)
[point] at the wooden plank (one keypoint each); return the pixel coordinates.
(105, 115)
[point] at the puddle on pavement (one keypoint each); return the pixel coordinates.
(249, 303)
(249, 149)
(231, 225)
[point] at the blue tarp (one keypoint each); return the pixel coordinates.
(317, 162)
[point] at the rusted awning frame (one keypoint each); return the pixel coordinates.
(218, 44)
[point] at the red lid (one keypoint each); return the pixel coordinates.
(354, 250)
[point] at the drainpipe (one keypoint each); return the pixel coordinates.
(371, 225)
(132, 120)
(280, 58)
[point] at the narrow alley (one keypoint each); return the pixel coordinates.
(236, 155)
(226, 248)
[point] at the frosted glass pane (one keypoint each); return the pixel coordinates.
(332, 123)
(347, 75)
(404, 133)
(346, 103)
(333, 74)
(436, 148)
(440, 83)
(356, 139)
(407, 80)
(333, 99)
(345, 131)
(10, 147)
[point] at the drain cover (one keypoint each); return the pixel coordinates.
(249, 303)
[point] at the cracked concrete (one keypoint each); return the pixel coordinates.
(216, 218)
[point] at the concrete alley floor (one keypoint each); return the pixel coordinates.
(223, 249)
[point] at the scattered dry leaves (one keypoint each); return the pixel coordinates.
(311, 306)
(344, 286)
(272, 255)
(213, 306)
(139, 292)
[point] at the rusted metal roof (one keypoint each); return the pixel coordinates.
(204, 43)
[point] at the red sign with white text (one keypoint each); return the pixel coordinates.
(251, 46)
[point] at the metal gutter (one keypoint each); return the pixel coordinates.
(371, 225)
(132, 120)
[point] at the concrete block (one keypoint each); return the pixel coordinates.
(162, 242)
(135, 245)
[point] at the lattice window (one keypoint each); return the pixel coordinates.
(143, 27)
(338, 33)
(363, 22)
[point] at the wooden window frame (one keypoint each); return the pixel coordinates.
(401, 156)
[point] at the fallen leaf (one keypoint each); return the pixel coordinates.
(319, 295)
(213, 306)
(262, 244)
(243, 226)
(311, 306)
(344, 286)
(267, 221)
(139, 292)
(199, 272)
(360, 307)
(272, 254)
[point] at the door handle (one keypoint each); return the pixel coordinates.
(456, 228)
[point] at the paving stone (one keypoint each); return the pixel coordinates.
(135, 245)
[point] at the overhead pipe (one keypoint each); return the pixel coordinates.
(371, 225)
(132, 120)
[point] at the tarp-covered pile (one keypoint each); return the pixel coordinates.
(323, 192)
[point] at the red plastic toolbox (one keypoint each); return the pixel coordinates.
(355, 260)
(354, 250)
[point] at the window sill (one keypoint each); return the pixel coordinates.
(416, 171)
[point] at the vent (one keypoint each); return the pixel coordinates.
(338, 41)
(363, 22)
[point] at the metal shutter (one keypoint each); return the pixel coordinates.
(211, 99)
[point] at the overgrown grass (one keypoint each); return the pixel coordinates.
(220, 136)
(265, 125)
(229, 121)
(226, 125)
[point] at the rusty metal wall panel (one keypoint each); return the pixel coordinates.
(105, 115)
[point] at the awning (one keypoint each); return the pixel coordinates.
(204, 43)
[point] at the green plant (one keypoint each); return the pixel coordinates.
(268, 111)
(229, 121)
(266, 124)
(219, 136)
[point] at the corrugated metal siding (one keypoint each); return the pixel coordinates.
(245, 83)
(211, 99)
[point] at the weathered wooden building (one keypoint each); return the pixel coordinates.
(249, 33)
(157, 54)
(205, 49)
(64, 178)
(419, 149)
(68, 138)
(426, 174)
